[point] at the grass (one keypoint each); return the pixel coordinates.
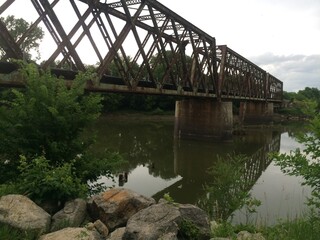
(6, 189)
(307, 228)
(9, 233)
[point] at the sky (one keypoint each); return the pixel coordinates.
(280, 36)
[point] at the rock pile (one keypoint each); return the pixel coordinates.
(115, 214)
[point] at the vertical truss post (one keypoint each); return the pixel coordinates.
(221, 77)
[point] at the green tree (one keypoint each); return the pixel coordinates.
(306, 162)
(47, 117)
(17, 28)
(45, 126)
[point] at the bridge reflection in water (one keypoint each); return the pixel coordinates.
(222, 193)
(158, 164)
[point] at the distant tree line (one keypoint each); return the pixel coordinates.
(302, 103)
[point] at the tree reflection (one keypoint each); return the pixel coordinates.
(227, 190)
(220, 190)
(144, 143)
(232, 178)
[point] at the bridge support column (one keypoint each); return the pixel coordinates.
(256, 112)
(203, 119)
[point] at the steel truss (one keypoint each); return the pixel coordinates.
(142, 46)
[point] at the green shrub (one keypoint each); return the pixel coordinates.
(42, 181)
(47, 118)
(305, 162)
(46, 123)
(188, 230)
(9, 233)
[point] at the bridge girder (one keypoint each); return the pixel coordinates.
(159, 41)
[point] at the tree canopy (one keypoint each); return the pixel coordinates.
(17, 28)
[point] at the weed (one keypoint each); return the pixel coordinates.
(188, 230)
(7, 232)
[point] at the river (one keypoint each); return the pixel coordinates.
(159, 164)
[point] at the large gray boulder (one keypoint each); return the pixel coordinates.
(168, 221)
(72, 215)
(72, 234)
(116, 206)
(117, 234)
(20, 212)
(244, 235)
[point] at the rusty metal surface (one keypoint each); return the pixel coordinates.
(142, 42)
(240, 77)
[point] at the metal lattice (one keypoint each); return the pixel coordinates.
(141, 46)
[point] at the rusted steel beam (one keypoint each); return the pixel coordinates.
(172, 15)
(14, 79)
(127, 75)
(52, 32)
(162, 38)
(118, 43)
(223, 59)
(86, 29)
(136, 36)
(104, 7)
(5, 5)
(121, 4)
(149, 17)
(237, 68)
(54, 19)
(182, 47)
(158, 38)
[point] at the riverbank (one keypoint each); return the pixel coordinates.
(120, 214)
(304, 228)
(159, 114)
(136, 115)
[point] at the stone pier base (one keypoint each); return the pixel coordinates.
(199, 118)
(256, 112)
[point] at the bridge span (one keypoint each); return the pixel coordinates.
(138, 46)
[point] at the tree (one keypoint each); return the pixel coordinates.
(44, 127)
(306, 162)
(17, 27)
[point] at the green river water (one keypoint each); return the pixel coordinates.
(158, 164)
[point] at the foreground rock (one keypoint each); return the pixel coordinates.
(244, 235)
(168, 221)
(20, 212)
(117, 234)
(72, 215)
(116, 206)
(72, 234)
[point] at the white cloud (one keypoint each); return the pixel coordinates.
(296, 71)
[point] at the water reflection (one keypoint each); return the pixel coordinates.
(158, 164)
(193, 159)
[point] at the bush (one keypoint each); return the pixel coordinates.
(43, 182)
(45, 123)
(305, 162)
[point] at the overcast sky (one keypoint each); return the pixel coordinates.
(281, 36)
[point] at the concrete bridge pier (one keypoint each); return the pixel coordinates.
(256, 112)
(203, 119)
